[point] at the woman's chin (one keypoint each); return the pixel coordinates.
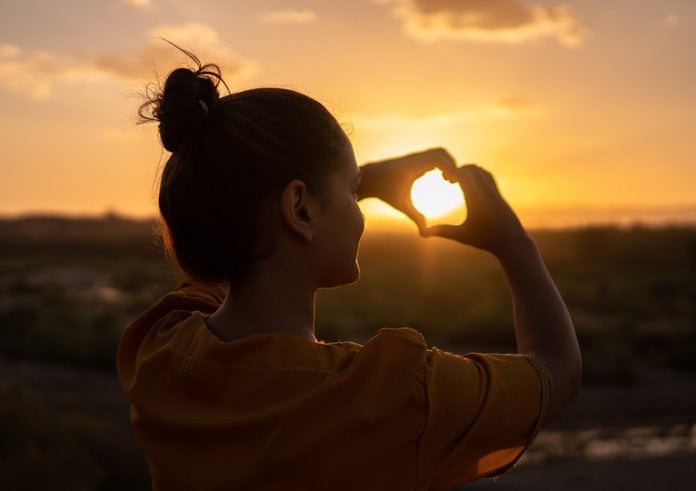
(355, 275)
(345, 278)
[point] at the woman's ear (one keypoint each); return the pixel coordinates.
(297, 207)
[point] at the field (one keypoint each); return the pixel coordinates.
(69, 286)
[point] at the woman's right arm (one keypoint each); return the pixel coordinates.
(543, 327)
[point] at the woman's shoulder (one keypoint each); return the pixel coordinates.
(399, 335)
(188, 297)
(193, 295)
(397, 347)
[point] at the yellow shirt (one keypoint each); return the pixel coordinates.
(277, 411)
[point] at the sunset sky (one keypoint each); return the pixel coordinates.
(578, 106)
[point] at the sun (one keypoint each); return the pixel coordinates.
(436, 198)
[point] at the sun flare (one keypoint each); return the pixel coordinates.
(434, 197)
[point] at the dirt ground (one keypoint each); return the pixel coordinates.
(635, 437)
(671, 473)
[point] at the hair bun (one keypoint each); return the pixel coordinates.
(188, 97)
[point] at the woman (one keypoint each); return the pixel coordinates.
(229, 387)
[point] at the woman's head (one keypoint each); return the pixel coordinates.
(231, 158)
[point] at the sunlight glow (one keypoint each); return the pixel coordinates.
(434, 197)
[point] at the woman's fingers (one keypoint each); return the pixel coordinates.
(416, 216)
(433, 158)
(445, 161)
(453, 232)
(391, 180)
(469, 179)
(490, 221)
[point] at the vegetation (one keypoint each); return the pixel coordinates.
(66, 440)
(630, 292)
(69, 286)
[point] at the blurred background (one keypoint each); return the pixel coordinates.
(584, 111)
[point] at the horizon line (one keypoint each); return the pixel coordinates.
(533, 217)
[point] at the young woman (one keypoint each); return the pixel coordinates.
(229, 386)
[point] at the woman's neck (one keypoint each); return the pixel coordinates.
(266, 303)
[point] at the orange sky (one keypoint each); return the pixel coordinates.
(577, 107)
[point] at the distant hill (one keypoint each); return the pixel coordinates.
(66, 228)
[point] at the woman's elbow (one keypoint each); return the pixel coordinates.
(566, 383)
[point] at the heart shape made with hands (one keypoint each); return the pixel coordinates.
(440, 201)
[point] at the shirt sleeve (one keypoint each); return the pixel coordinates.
(188, 297)
(193, 295)
(482, 413)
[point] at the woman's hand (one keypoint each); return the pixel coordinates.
(490, 224)
(391, 180)
(543, 327)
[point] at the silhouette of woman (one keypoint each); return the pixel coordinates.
(229, 387)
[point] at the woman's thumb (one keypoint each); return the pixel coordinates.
(446, 231)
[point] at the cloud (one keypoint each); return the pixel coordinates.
(289, 17)
(37, 73)
(671, 20)
(139, 4)
(403, 122)
(9, 50)
(495, 21)
(514, 103)
(199, 38)
(504, 108)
